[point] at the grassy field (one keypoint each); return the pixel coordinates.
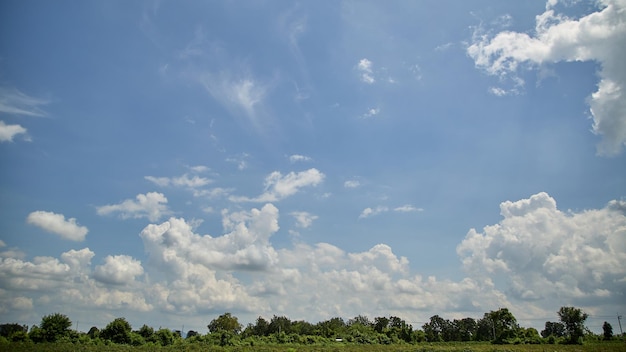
(615, 346)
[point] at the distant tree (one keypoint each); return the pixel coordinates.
(7, 330)
(504, 324)
(555, 329)
(55, 326)
(117, 331)
(192, 333)
(93, 332)
(360, 319)
(465, 329)
(225, 322)
(608, 330)
(574, 321)
(437, 329)
(380, 324)
(279, 324)
(261, 327)
(165, 337)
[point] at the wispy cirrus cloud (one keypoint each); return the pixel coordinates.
(14, 102)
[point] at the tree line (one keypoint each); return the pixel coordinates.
(499, 327)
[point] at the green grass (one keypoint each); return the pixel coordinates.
(615, 346)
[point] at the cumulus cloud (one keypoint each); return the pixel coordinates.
(367, 212)
(599, 36)
(151, 205)
(278, 187)
(182, 181)
(8, 132)
(303, 218)
(297, 157)
(118, 270)
(371, 112)
(549, 256)
(352, 184)
(57, 224)
(365, 69)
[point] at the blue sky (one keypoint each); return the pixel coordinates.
(169, 162)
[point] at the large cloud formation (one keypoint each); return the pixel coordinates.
(599, 36)
(548, 256)
(536, 259)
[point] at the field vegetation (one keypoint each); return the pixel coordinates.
(495, 331)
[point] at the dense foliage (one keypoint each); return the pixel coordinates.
(495, 327)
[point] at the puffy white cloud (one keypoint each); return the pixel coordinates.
(367, 212)
(14, 102)
(599, 36)
(181, 181)
(118, 270)
(365, 68)
(549, 256)
(303, 218)
(352, 184)
(173, 245)
(371, 112)
(278, 187)
(297, 157)
(57, 224)
(151, 205)
(7, 132)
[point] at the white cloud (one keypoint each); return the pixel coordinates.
(181, 181)
(297, 157)
(118, 270)
(57, 224)
(371, 112)
(151, 205)
(549, 257)
(7, 132)
(365, 68)
(535, 259)
(599, 36)
(14, 102)
(278, 187)
(352, 184)
(238, 95)
(407, 208)
(303, 218)
(239, 160)
(367, 212)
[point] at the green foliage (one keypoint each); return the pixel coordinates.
(574, 321)
(607, 331)
(226, 323)
(117, 331)
(54, 326)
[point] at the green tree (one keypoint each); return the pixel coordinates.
(574, 321)
(55, 326)
(608, 330)
(165, 337)
(93, 332)
(504, 325)
(225, 322)
(555, 329)
(117, 331)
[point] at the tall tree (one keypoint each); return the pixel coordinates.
(608, 330)
(225, 322)
(555, 329)
(574, 321)
(55, 326)
(117, 331)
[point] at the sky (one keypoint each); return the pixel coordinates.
(168, 161)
